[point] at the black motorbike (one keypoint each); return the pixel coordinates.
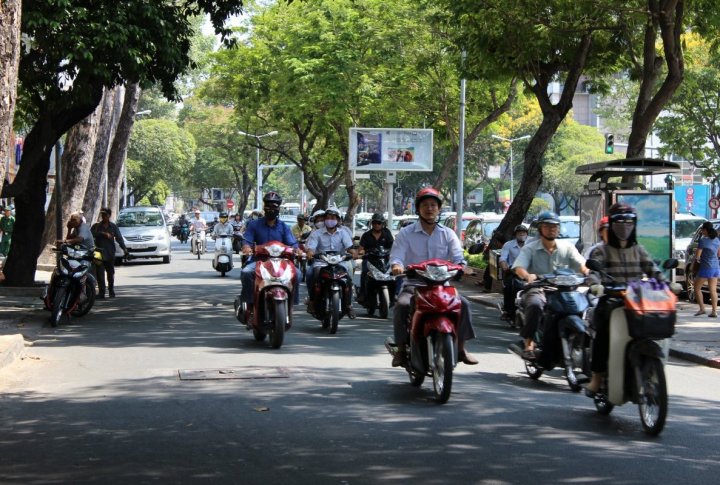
(71, 290)
(237, 241)
(563, 336)
(379, 282)
(332, 289)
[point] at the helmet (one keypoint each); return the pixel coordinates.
(272, 198)
(428, 192)
(604, 223)
(302, 217)
(332, 211)
(318, 213)
(622, 212)
(548, 217)
(377, 217)
(520, 228)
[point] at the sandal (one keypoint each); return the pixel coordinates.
(528, 354)
(698, 313)
(713, 315)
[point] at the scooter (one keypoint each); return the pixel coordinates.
(640, 329)
(434, 317)
(379, 282)
(197, 243)
(332, 289)
(563, 337)
(237, 239)
(275, 275)
(183, 233)
(71, 290)
(223, 260)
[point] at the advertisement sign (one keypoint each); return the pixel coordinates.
(591, 211)
(391, 149)
(655, 220)
(475, 196)
(693, 199)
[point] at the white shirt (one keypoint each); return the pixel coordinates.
(199, 224)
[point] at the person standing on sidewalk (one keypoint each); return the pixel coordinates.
(7, 224)
(510, 251)
(707, 255)
(105, 234)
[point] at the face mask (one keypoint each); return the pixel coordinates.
(330, 223)
(271, 214)
(622, 231)
(319, 224)
(521, 239)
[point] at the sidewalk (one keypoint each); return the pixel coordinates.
(696, 339)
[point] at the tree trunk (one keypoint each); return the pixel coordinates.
(76, 161)
(9, 61)
(95, 186)
(120, 142)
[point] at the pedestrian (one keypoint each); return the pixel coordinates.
(105, 234)
(709, 270)
(7, 224)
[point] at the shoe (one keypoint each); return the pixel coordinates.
(112, 294)
(713, 315)
(698, 313)
(590, 393)
(505, 316)
(311, 307)
(100, 296)
(528, 355)
(467, 358)
(399, 359)
(350, 313)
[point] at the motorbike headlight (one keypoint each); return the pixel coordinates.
(568, 280)
(333, 258)
(437, 273)
(379, 275)
(275, 250)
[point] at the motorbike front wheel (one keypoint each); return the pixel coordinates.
(384, 296)
(199, 250)
(334, 311)
(652, 395)
(87, 299)
(443, 366)
(279, 317)
(57, 306)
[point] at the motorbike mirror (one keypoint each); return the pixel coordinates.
(671, 263)
(594, 265)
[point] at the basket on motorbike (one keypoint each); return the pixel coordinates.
(650, 310)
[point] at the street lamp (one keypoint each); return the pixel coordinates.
(258, 174)
(510, 141)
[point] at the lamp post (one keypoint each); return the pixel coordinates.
(510, 141)
(258, 173)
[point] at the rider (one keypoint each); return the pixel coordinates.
(542, 256)
(78, 233)
(378, 236)
(602, 235)
(318, 219)
(423, 240)
(223, 227)
(625, 260)
(261, 231)
(198, 226)
(510, 251)
(329, 238)
(301, 229)
(237, 222)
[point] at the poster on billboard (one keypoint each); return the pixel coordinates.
(693, 199)
(391, 149)
(591, 211)
(655, 212)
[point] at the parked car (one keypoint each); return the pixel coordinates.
(399, 222)
(686, 226)
(466, 219)
(145, 233)
(690, 259)
(479, 231)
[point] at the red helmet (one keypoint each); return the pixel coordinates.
(604, 223)
(428, 192)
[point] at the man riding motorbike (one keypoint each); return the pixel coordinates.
(329, 238)
(423, 240)
(378, 236)
(509, 253)
(301, 229)
(260, 231)
(318, 219)
(545, 255)
(198, 224)
(222, 226)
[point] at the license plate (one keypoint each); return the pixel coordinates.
(140, 246)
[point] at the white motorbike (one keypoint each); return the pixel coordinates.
(197, 243)
(223, 260)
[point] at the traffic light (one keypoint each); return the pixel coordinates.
(609, 143)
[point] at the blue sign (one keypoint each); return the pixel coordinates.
(694, 199)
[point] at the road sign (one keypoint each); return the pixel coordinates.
(714, 203)
(229, 203)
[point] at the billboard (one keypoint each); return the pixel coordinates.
(391, 149)
(655, 220)
(693, 199)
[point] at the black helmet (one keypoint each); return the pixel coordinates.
(520, 228)
(223, 214)
(301, 217)
(378, 217)
(272, 198)
(548, 217)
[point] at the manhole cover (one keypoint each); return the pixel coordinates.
(234, 373)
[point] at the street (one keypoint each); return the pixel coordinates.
(101, 400)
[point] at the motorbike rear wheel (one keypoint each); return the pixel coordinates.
(443, 366)
(57, 306)
(533, 370)
(652, 395)
(87, 299)
(279, 317)
(334, 311)
(384, 305)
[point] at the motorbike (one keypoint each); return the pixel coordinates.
(71, 290)
(332, 289)
(379, 282)
(563, 337)
(183, 233)
(301, 260)
(237, 239)
(275, 275)
(223, 260)
(640, 328)
(434, 317)
(197, 243)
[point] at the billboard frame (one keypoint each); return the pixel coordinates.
(390, 149)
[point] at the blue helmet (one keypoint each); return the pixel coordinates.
(548, 217)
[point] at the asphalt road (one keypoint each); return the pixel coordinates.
(100, 400)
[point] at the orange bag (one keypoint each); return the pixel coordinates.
(650, 310)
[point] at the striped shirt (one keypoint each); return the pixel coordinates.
(625, 264)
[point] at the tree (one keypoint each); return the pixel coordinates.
(9, 59)
(74, 49)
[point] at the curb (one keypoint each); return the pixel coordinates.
(12, 347)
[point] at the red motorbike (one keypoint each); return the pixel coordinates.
(275, 275)
(434, 318)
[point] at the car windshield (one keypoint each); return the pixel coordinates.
(686, 229)
(570, 229)
(466, 222)
(489, 227)
(139, 218)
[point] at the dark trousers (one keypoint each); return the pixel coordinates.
(601, 342)
(534, 303)
(509, 294)
(107, 268)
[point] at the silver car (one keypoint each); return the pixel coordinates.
(144, 232)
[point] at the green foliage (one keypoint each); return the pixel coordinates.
(537, 206)
(475, 260)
